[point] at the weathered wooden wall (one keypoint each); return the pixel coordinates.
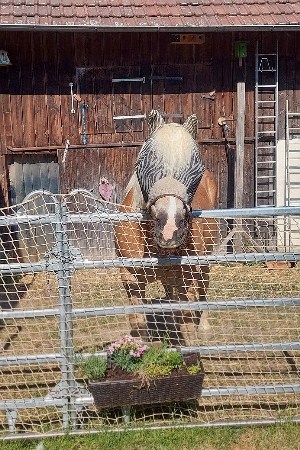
(35, 102)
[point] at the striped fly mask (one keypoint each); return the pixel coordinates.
(169, 170)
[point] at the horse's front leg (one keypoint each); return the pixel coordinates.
(200, 294)
(193, 288)
(135, 286)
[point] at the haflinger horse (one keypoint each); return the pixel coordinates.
(168, 182)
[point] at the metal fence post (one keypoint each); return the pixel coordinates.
(63, 274)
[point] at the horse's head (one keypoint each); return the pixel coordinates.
(169, 170)
(170, 213)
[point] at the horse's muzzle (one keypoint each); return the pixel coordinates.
(173, 243)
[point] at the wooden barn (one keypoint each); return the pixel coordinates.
(78, 78)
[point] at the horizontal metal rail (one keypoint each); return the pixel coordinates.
(110, 217)
(207, 392)
(45, 266)
(127, 428)
(54, 358)
(24, 360)
(163, 306)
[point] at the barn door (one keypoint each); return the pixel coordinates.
(29, 173)
(167, 82)
(111, 103)
(180, 90)
(93, 87)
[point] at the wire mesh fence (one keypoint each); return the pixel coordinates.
(67, 290)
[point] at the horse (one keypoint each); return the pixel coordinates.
(169, 181)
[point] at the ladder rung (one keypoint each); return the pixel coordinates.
(266, 101)
(293, 114)
(266, 192)
(266, 86)
(267, 117)
(266, 54)
(263, 177)
(265, 162)
(267, 132)
(269, 147)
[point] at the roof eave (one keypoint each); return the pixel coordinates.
(152, 28)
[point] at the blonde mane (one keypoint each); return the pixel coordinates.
(174, 145)
(137, 197)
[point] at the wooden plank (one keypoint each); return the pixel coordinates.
(204, 104)
(187, 104)
(5, 116)
(52, 90)
(27, 81)
(15, 75)
(39, 90)
(66, 75)
(103, 102)
(4, 182)
(167, 83)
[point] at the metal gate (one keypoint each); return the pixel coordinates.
(58, 302)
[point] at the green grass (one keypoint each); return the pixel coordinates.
(277, 437)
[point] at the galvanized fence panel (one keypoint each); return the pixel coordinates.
(62, 296)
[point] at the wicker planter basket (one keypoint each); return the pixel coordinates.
(109, 394)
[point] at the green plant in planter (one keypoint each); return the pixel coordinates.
(193, 369)
(136, 374)
(159, 361)
(132, 356)
(93, 367)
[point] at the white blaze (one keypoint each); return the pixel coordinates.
(170, 226)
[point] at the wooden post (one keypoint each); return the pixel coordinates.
(239, 162)
(4, 182)
(240, 138)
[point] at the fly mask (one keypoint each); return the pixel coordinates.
(169, 170)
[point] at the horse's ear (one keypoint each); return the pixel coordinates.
(155, 120)
(191, 125)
